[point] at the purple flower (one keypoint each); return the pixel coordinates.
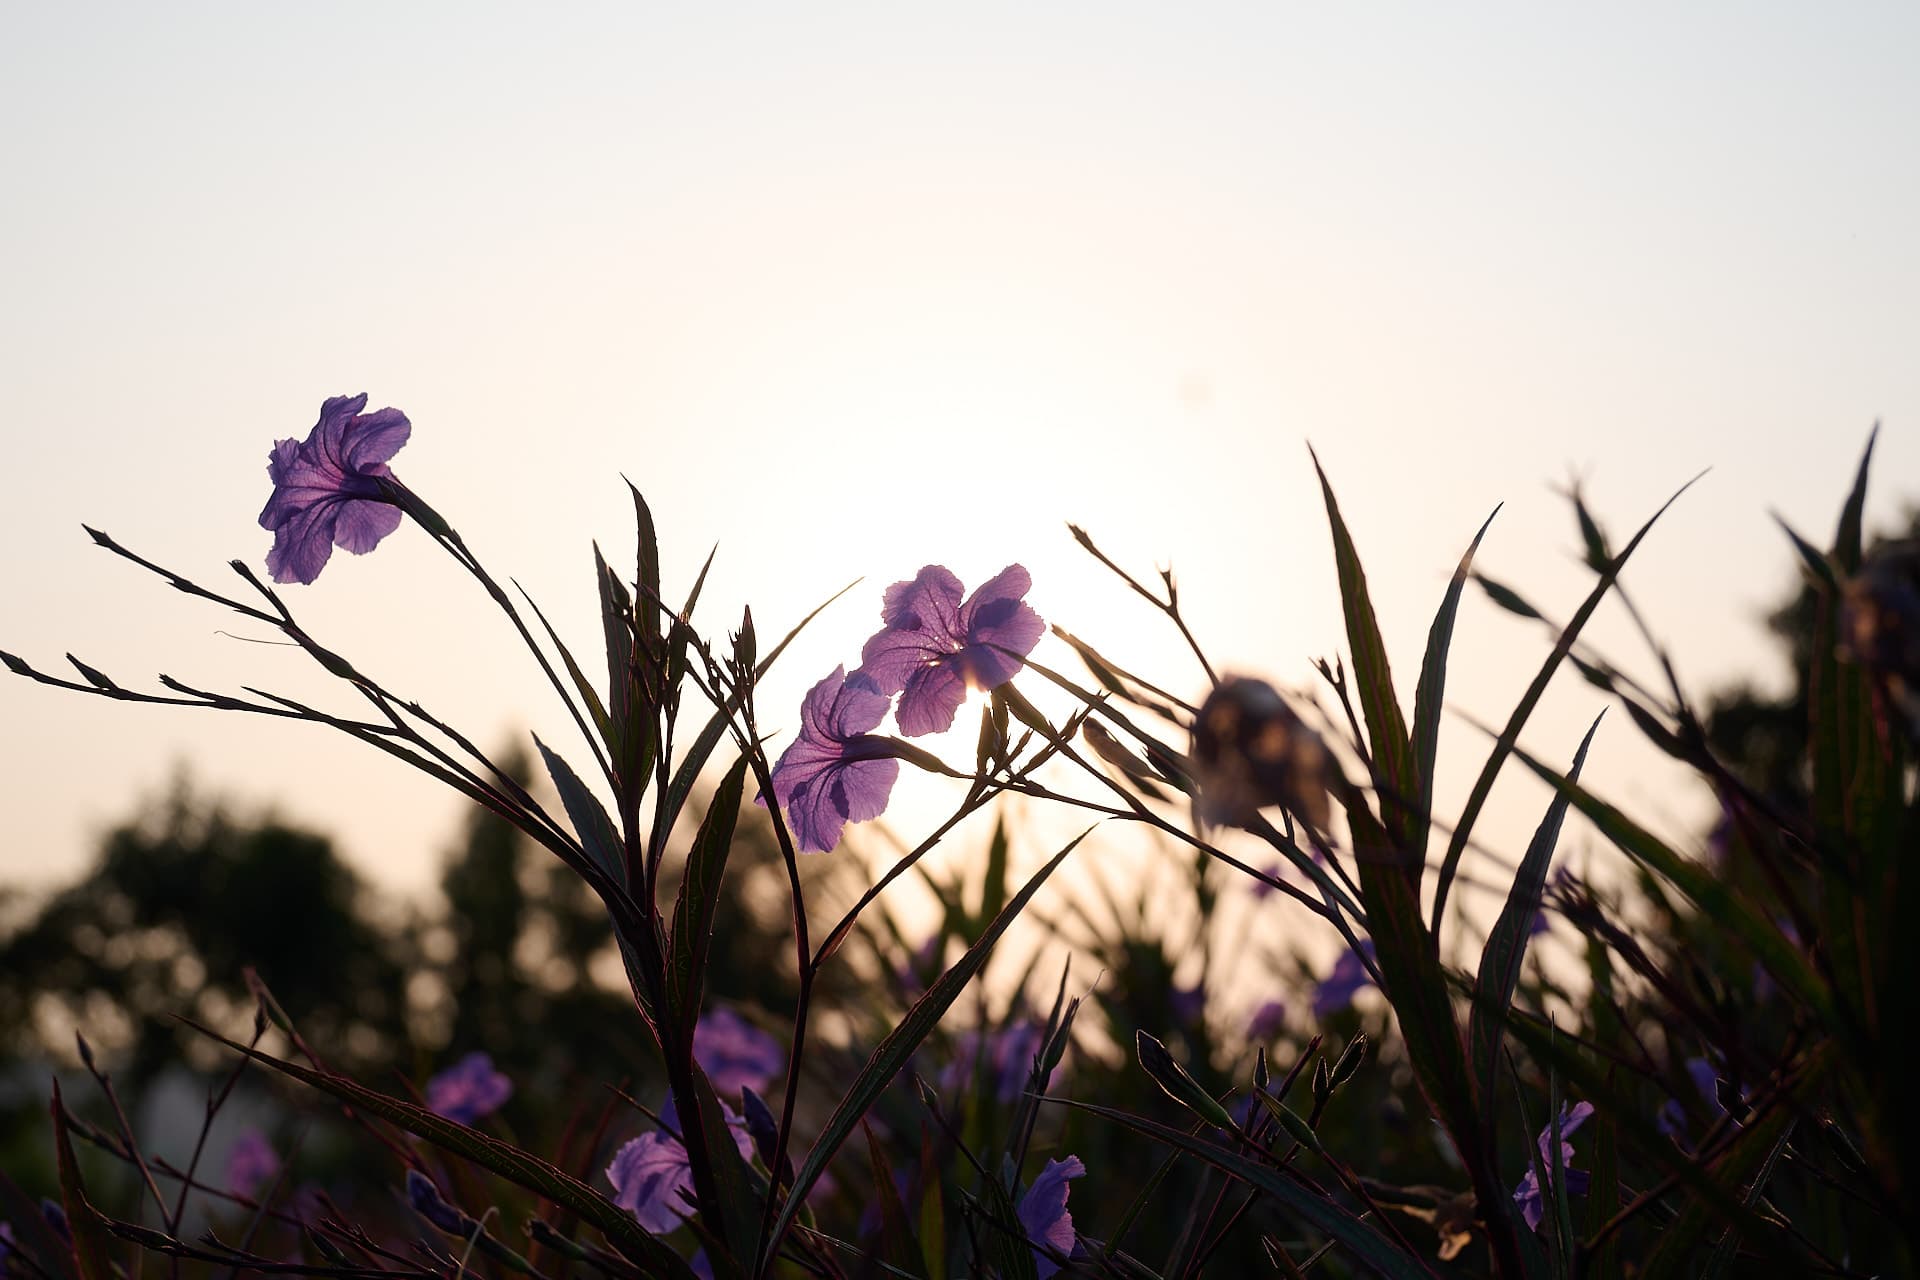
(734, 1053)
(1189, 1004)
(326, 488)
(467, 1090)
(250, 1163)
(1337, 990)
(7, 1242)
(933, 647)
(1008, 1054)
(829, 776)
(652, 1178)
(1044, 1217)
(1266, 1022)
(431, 1205)
(1527, 1194)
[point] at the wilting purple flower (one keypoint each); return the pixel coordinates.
(934, 647)
(828, 776)
(1266, 1021)
(1043, 1213)
(652, 1177)
(250, 1163)
(734, 1053)
(1337, 990)
(467, 1090)
(1527, 1194)
(326, 488)
(1007, 1054)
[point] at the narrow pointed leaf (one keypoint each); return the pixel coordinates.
(1363, 1242)
(89, 1239)
(1430, 693)
(692, 935)
(1386, 728)
(1503, 746)
(1506, 946)
(893, 1051)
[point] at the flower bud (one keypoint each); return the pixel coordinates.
(1251, 751)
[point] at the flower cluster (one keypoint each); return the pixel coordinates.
(934, 646)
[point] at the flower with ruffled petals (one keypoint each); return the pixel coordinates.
(652, 1177)
(934, 647)
(1527, 1194)
(830, 774)
(326, 488)
(734, 1053)
(1044, 1217)
(467, 1090)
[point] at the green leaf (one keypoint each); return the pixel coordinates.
(692, 935)
(1366, 1245)
(1506, 948)
(892, 1052)
(1503, 746)
(583, 686)
(1430, 693)
(596, 832)
(647, 580)
(1847, 540)
(993, 887)
(1722, 1255)
(502, 1158)
(1394, 777)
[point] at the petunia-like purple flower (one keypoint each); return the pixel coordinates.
(326, 488)
(1267, 1021)
(467, 1090)
(734, 1053)
(828, 776)
(250, 1163)
(652, 1177)
(1527, 1194)
(1337, 990)
(934, 647)
(1044, 1217)
(1005, 1057)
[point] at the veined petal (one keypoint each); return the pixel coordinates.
(361, 524)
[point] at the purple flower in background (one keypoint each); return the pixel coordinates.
(1007, 1055)
(734, 1053)
(652, 1178)
(326, 488)
(1189, 1004)
(250, 1163)
(825, 778)
(6, 1241)
(467, 1090)
(934, 647)
(1043, 1213)
(1527, 1194)
(1337, 990)
(1266, 1021)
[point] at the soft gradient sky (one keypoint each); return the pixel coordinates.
(852, 289)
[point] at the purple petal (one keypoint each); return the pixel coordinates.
(922, 620)
(1000, 630)
(360, 525)
(302, 545)
(649, 1176)
(373, 438)
(734, 1053)
(930, 700)
(1043, 1212)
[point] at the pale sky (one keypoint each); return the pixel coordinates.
(849, 290)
